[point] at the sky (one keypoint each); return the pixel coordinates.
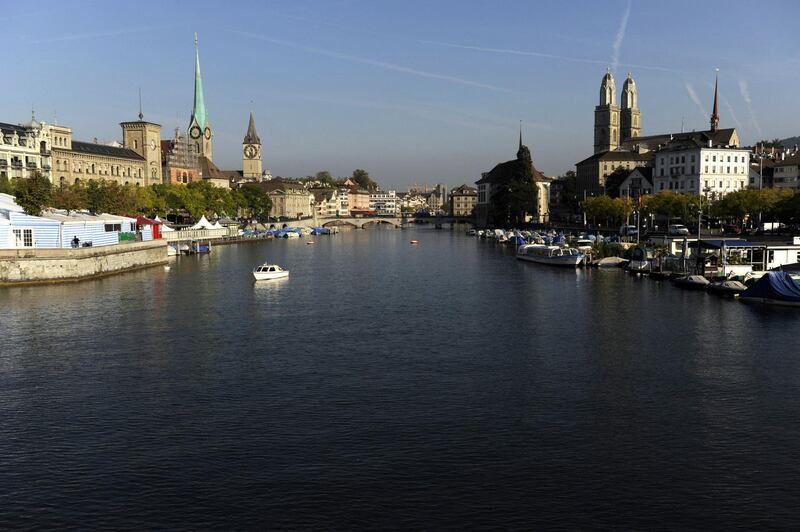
(415, 92)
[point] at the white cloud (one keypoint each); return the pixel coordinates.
(375, 63)
(623, 26)
(695, 99)
(746, 97)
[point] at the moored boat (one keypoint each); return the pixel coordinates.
(691, 282)
(268, 272)
(726, 288)
(552, 255)
(773, 288)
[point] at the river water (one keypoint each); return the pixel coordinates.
(389, 386)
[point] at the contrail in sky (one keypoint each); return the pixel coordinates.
(545, 55)
(729, 107)
(746, 96)
(375, 63)
(623, 25)
(695, 99)
(96, 35)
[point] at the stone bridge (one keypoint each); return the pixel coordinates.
(367, 222)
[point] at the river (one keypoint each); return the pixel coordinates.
(383, 385)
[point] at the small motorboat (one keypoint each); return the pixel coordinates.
(414, 242)
(310, 243)
(726, 288)
(267, 272)
(691, 282)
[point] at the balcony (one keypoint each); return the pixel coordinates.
(46, 167)
(31, 166)
(16, 165)
(44, 153)
(3, 164)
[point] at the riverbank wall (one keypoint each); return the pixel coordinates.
(35, 266)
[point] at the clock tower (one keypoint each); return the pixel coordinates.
(251, 152)
(145, 139)
(199, 126)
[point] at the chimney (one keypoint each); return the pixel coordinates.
(709, 143)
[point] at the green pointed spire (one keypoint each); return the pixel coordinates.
(199, 109)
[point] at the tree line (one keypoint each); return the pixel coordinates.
(741, 207)
(100, 196)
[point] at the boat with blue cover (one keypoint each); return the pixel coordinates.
(773, 288)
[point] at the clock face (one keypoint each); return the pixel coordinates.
(208, 132)
(195, 132)
(153, 145)
(250, 151)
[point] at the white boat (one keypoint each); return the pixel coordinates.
(292, 234)
(267, 272)
(553, 255)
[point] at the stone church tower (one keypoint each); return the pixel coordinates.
(199, 127)
(145, 139)
(251, 152)
(606, 117)
(630, 117)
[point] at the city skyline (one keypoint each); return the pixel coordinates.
(410, 92)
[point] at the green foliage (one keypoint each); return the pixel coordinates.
(364, 180)
(69, 198)
(33, 194)
(325, 178)
(608, 209)
(253, 202)
(6, 186)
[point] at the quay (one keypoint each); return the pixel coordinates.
(24, 266)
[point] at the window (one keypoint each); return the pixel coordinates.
(729, 158)
(741, 184)
(713, 158)
(692, 158)
(683, 159)
(23, 238)
(135, 144)
(662, 171)
(728, 170)
(692, 168)
(720, 184)
(110, 228)
(706, 170)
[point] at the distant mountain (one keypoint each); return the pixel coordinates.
(791, 142)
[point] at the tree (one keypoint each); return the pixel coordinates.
(324, 177)
(68, 197)
(33, 194)
(254, 201)
(364, 181)
(6, 187)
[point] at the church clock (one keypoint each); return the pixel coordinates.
(208, 133)
(195, 132)
(250, 151)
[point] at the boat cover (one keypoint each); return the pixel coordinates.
(774, 285)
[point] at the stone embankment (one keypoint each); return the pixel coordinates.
(32, 266)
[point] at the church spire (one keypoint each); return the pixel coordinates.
(715, 112)
(252, 136)
(199, 109)
(520, 134)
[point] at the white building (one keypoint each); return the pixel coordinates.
(25, 149)
(697, 166)
(384, 203)
(786, 172)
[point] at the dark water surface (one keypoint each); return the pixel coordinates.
(444, 386)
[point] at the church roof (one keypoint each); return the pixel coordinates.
(506, 171)
(720, 137)
(105, 150)
(199, 108)
(211, 171)
(617, 155)
(252, 135)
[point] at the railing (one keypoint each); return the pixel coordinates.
(198, 234)
(17, 166)
(44, 153)
(46, 167)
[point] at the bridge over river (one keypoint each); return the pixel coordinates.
(367, 222)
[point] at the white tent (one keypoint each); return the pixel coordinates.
(217, 226)
(164, 227)
(203, 224)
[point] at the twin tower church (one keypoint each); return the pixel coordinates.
(614, 124)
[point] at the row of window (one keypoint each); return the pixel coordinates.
(689, 184)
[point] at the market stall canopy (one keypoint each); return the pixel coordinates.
(203, 224)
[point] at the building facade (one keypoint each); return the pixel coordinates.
(25, 149)
(697, 167)
(786, 173)
(384, 203)
(591, 173)
(630, 117)
(463, 200)
(179, 164)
